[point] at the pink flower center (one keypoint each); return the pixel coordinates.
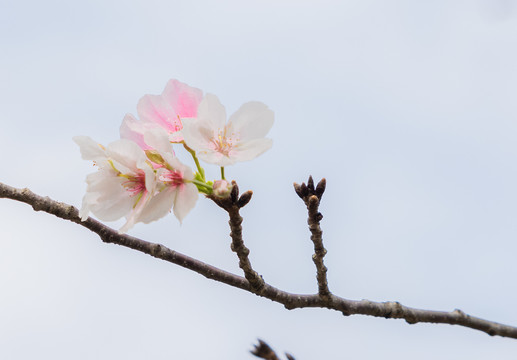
(135, 184)
(173, 178)
(176, 124)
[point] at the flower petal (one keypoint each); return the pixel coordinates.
(90, 150)
(155, 109)
(126, 153)
(159, 206)
(214, 157)
(253, 120)
(158, 139)
(134, 216)
(133, 129)
(183, 99)
(197, 135)
(106, 198)
(251, 149)
(186, 197)
(212, 113)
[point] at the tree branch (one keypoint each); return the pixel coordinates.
(390, 310)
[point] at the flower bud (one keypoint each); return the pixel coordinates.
(222, 189)
(155, 157)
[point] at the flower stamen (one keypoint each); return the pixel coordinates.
(172, 178)
(135, 184)
(224, 144)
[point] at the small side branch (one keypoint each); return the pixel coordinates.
(232, 204)
(311, 196)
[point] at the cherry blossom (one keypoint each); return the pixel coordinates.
(177, 101)
(139, 176)
(242, 138)
(129, 185)
(124, 185)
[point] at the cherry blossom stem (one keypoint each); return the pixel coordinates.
(200, 170)
(202, 185)
(389, 310)
(222, 173)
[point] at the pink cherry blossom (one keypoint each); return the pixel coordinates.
(177, 102)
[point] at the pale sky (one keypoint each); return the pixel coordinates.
(407, 108)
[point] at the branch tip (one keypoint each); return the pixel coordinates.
(304, 190)
(298, 190)
(310, 184)
(264, 351)
(320, 188)
(234, 195)
(244, 199)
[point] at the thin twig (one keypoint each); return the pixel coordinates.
(311, 197)
(232, 204)
(390, 310)
(255, 280)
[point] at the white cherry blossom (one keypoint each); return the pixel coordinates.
(124, 185)
(223, 143)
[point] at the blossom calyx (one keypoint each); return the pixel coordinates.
(232, 200)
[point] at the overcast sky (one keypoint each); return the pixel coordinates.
(406, 107)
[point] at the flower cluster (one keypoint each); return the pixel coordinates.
(139, 176)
